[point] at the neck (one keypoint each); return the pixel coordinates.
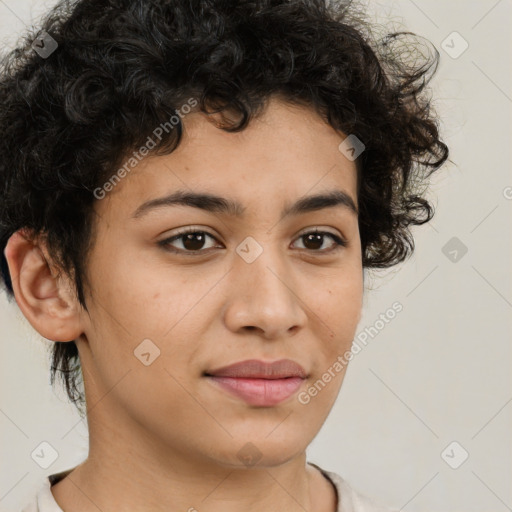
(127, 470)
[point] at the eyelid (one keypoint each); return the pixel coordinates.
(318, 229)
(340, 241)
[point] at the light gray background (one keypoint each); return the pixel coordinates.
(439, 372)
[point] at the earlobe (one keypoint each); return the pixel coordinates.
(44, 296)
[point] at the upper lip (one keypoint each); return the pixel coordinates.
(256, 369)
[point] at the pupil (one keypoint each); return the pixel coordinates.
(316, 238)
(193, 241)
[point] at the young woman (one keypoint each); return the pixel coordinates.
(192, 191)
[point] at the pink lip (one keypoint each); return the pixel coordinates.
(258, 382)
(255, 369)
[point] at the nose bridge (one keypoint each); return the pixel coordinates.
(263, 294)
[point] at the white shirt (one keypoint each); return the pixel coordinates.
(349, 500)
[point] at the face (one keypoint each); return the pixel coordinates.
(167, 310)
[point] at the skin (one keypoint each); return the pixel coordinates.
(163, 437)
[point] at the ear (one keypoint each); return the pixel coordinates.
(44, 297)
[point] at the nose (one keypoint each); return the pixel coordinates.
(264, 296)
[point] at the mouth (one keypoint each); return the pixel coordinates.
(259, 383)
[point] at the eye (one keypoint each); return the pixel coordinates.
(315, 240)
(191, 239)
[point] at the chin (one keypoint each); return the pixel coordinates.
(253, 452)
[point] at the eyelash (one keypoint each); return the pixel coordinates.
(339, 241)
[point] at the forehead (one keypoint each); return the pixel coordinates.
(287, 151)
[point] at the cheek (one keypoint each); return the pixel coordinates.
(155, 303)
(339, 305)
(339, 310)
(148, 300)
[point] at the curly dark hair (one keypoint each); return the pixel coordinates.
(123, 67)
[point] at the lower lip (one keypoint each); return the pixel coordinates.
(261, 392)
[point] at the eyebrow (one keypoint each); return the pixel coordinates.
(223, 205)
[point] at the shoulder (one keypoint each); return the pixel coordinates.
(349, 499)
(44, 501)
